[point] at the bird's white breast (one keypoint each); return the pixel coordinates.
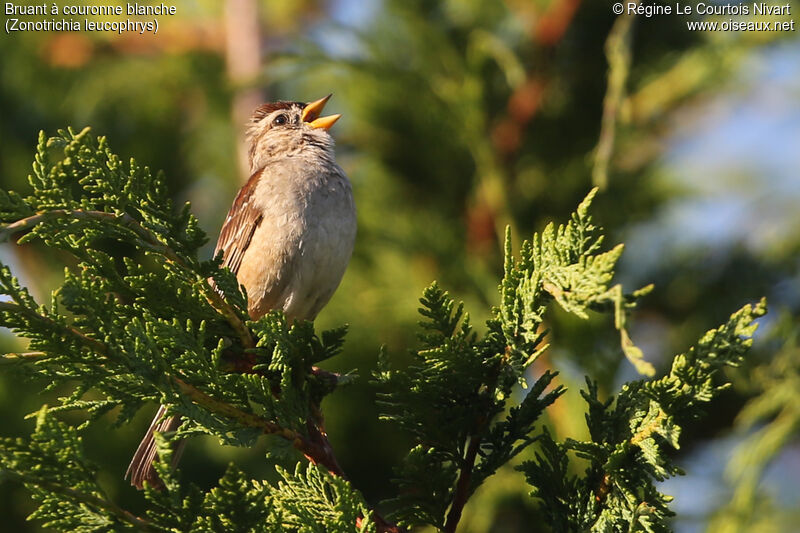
(302, 247)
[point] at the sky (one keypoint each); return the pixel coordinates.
(739, 158)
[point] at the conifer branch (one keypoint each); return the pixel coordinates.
(88, 499)
(48, 322)
(148, 241)
(17, 357)
(461, 493)
(242, 417)
(225, 309)
(313, 450)
(315, 447)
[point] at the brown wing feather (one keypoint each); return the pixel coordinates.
(241, 223)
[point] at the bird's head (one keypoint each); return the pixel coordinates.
(280, 129)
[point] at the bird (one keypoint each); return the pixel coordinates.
(288, 237)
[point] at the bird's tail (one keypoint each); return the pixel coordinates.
(141, 467)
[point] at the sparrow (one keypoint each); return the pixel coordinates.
(288, 236)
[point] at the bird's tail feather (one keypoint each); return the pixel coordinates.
(141, 467)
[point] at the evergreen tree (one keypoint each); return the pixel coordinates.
(136, 321)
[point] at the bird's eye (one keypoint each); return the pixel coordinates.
(280, 120)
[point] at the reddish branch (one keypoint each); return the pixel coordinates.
(461, 493)
(316, 447)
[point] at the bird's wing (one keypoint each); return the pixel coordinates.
(241, 223)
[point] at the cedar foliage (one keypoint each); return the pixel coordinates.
(137, 320)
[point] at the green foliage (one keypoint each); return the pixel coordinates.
(52, 466)
(630, 436)
(77, 172)
(140, 318)
(313, 501)
(453, 398)
(564, 264)
(767, 424)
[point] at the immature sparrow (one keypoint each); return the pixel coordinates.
(289, 234)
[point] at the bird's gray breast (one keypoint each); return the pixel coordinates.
(309, 227)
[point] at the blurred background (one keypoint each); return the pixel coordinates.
(462, 117)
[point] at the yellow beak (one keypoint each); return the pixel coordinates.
(312, 111)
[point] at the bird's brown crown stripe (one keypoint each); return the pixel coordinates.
(265, 109)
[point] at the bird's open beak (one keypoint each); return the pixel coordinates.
(312, 111)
